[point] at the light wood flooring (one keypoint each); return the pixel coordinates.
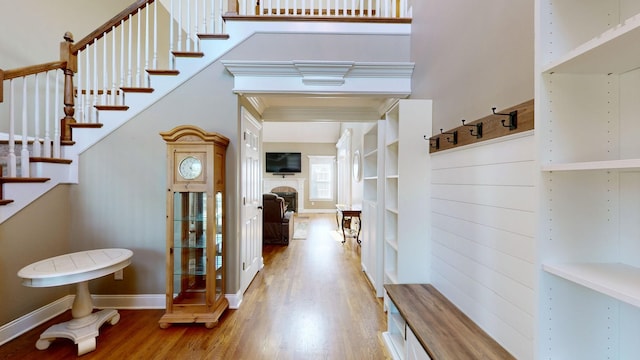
(310, 301)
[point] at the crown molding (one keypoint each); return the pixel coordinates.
(329, 77)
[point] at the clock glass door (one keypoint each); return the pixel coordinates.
(219, 248)
(189, 247)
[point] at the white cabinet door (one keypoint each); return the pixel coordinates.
(414, 349)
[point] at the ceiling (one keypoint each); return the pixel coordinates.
(314, 118)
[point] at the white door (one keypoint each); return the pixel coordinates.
(251, 195)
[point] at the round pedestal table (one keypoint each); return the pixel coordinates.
(77, 268)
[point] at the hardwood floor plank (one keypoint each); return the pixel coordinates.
(310, 301)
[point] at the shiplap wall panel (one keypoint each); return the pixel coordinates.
(515, 221)
(484, 202)
(485, 275)
(511, 173)
(511, 197)
(501, 325)
(499, 262)
(516, 245)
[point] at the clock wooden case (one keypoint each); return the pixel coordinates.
(195, 226)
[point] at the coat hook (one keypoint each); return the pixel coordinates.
(433, 142)
(513, 119)
(478, 127)
(454, 134)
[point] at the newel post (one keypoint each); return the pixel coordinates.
(72, 66)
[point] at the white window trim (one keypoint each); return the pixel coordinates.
(323, 158)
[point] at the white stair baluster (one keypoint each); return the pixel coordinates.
(179, 31)
(171, 35)
(155, 39)
(114, 75)
(146, 45)
(122, 50)
(12, 131)
(56, 114)
(96, 86)
(24, 150)
(104, 99)
(47, 117)
(138, 50)
(129, 53)
(37, 150)
(79, 114)
(87, 91)
(188, 34)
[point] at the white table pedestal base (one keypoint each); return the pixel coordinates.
(77, 268)
(83, 331)
(85, 325)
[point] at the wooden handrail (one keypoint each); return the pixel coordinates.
(28, 70)
(33, 69)
(108, 26)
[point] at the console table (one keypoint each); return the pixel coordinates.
(348, 213)
(77, 268)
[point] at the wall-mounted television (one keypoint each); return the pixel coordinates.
(283, 162)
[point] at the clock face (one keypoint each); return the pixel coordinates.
(190, 168)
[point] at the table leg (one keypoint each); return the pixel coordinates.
(344, 235)
(359, 227)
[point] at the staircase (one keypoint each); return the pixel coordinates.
(118, 53)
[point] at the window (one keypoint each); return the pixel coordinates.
(321, 177)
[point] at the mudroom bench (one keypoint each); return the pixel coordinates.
(423, 324)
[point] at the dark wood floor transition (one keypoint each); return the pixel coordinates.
(311, 301)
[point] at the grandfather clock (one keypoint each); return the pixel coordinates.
(195, 226)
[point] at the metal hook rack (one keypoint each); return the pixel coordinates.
(478, 129)
(513, 119)
(454, 134)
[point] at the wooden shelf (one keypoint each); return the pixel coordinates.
(617, 280)
(595, 165)
(594, 56)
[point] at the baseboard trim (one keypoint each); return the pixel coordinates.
(234, 300)
(27, 322)
(39, 316)
(141, 301)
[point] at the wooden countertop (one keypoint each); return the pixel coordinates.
(443, 330)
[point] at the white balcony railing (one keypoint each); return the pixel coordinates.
(116, 58)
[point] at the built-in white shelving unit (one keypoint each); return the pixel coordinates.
(407, 198)
(373, 206)
(587, 120)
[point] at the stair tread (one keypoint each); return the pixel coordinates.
(137, 89)
(162, 72)
(188, 53)
(86, 125)
(4, 180)
(214, 36)
(112, 107)
(50, 160)
(5, 201)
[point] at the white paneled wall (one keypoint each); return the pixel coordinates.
(483, 223)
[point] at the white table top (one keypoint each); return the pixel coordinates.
(75, 267)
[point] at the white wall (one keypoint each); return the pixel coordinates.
(33, 29)
(471, 56)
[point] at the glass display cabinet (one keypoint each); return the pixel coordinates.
(195, 226)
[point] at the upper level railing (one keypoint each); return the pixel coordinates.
(94, 73)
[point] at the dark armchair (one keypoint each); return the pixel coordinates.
(277, 224)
